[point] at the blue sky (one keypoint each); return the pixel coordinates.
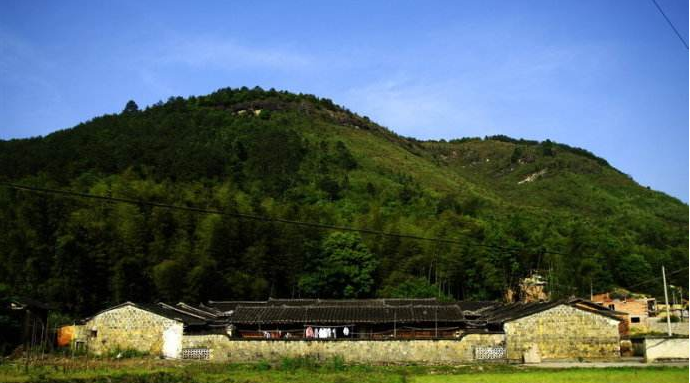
(608, 76)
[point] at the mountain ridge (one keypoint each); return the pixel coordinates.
(299, 156)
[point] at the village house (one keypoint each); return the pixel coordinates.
(33, 315)
(557, 330)
(367, 330)
(639, 307)
(155, 329)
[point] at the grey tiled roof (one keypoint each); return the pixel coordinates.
(340, 311)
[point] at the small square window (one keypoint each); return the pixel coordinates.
(94, 333)
(635, 319)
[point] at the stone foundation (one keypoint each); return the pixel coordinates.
(439, 351)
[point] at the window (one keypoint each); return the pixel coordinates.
(196, 353)
(635, 319)
(612, 307)
(94, 333)
(483, 353)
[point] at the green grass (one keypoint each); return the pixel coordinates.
(148, 370)
(575, 375)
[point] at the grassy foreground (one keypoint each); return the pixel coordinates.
(574, 375)
(303, 370)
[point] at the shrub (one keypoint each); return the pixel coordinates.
(674, 319)
(337, 363)
(263, 365)
(126, 353)
(291, 364)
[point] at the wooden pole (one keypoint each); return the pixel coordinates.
(436, 322)
(395, 323)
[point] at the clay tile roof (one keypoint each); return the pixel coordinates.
(186, 316)
(26, 302)
(512, 311)
(227, 306)
(477, 306)
(205, 312)
(317, 311)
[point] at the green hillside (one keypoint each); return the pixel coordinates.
(515, 205)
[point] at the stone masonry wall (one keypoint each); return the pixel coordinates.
(128, 327)
(658, 324)
(223, 348)
(563, 332)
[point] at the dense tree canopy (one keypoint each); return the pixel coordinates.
(515, 206)
(344, 268)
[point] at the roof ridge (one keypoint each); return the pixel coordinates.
(177, 309)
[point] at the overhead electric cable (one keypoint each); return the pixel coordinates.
(657, 279)
(253, 217)
(670, 23)
(109, 199)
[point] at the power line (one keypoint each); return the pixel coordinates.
(193, 209)
(670, 23)
(251, 216)
(657, 279)
(263, 218)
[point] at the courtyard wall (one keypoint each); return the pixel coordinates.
(665, 348)
(432, 351)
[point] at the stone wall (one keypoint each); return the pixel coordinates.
(439, 351)
(563, 333)
(665, 348)
(129, 327)
(658, 324)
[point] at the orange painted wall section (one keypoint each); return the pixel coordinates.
(65, 334)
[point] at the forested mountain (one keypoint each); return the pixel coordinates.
(515, 205)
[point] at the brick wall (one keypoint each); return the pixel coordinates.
(127, 327)
(563, 332)
(223, 348)
(638, 309)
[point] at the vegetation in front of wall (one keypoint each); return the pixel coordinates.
(673, 318)
(622, 294)
(125, 353)
(159, 371)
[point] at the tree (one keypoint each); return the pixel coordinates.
(168, 276)
(517, 154)
(633, 269)
(406, 286)
(547, 148)
(345, 268)
(273, 156)
(131, 107)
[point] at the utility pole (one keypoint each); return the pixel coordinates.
(682, 310)
(668, 310)
(673, 295)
